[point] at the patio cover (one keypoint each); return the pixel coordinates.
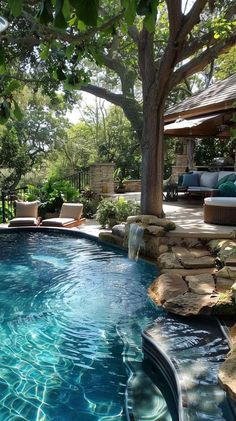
(208, 113)
(216, 125)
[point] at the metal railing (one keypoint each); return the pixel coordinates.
(79, 180)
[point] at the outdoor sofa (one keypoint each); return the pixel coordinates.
(215, 183)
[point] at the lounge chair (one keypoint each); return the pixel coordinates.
(26, 214)
(70, 216)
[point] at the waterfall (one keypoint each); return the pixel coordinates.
(135, 241)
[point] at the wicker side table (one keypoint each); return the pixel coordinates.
(220, 210)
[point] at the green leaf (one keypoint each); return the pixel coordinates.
(44, 51)
(86, 10)
(59, 20)
(15, 7)
(12, 86)
(17, 111)
(130, 11)
(149, 22)
(81, 26)
(69, 50)
(66, 10)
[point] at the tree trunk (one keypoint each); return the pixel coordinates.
(152, 159)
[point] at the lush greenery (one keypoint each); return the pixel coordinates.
(112, 212)
(140, 51)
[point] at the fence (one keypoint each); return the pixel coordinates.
(79, 180)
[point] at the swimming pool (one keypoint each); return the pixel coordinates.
(71, 313)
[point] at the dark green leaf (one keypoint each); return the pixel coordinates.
(143, 7)
(17, 111)
(86, 10)
(45, 14)
(2, 58)
(5, 109)
(15, 7)
(60, 74)
(59, 20)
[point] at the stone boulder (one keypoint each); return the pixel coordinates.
(144, 219)
(191, 304)
(168, 261)
(119, 230)
(154, 230)
(201, 284)
(166, 287)
(195, 262)
(223, 284)
(227, 374)
(227, 272)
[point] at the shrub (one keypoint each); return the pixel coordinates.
(110, 213)
(90, 201)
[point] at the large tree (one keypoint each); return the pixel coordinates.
(155, 41)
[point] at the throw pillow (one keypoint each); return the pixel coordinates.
(208, 179)
(228, 189)
(190, 180)
(226, 178)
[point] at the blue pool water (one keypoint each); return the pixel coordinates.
(71, 313)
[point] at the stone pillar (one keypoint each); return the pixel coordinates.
(101, 178)
(184, 156)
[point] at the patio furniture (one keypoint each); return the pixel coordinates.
(220, 210)
(26, 214)
(205, 183)
(70, 216)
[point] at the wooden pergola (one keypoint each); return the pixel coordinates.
(208, 113)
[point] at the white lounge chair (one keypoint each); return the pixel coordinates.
(70, 216)
(26, 214)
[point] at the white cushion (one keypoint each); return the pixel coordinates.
(220, 201)
(17, 222)
(57, 222)
(208, 179)
(71, 210)
(27, 209)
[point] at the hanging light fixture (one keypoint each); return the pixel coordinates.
(3, 24)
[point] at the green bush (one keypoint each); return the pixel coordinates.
(90, 201)
(110, 213)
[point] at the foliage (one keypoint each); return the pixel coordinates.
(90, 201)
(52, 194)
(110, 213)
(146, 44)
(24, 144)
(209, 148)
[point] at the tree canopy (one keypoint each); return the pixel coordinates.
(147, 46)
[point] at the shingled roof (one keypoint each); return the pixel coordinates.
(220, 96)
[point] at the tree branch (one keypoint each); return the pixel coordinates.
(198, 63)
(174, 16)
(132, 109)
(191, 19)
